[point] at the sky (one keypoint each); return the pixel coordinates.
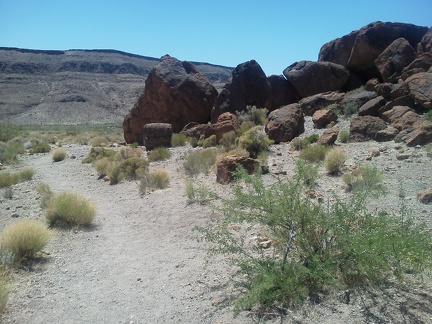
(275, 33)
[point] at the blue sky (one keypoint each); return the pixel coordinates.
(274, 33)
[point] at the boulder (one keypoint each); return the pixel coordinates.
(371, 84)
(338, 50)
(425, 196)
(421, 135)
(394, 58)
(374, 38)
(229, 164)
(226, 122)
(372, 107)
(321, 118)
(387, 134)
(329, 136)
(310, 78)
(285, 123)
(282, 93)
(421, 64)
(402, 118)
(400, 101)
(425, 44)
(175, 93)
(365, 128)
(197, 130)
(322, 100)
(156, 134)
(248, 87)
(358, 98)
(420, 89)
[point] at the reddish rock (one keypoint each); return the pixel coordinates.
(285, 123)
(282, 93)
(329, 136)
(365, 128)
(321, 118)
(425, 196)
(420, 89)
(175, 93)
(226, 122)
(402, 117)
(422, 63)
(394, 58)
(156, 134)
(229, 164)
(371, 84)
(247, 87)
(425, 44)
(387, 134)
(421, 135)
(310, 78)
(197, 130)
(358, 98)
(338, 50)
(322, 100)
(372, 107)
(401, 101)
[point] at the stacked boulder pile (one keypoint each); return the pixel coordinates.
(390, 65)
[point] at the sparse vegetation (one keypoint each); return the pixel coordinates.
(156, 179)
(343, 136)
(334, 160)
(41, 148)
(69, 208)
(25, 238)
(9, 152)
(314, 153)
(26, 173)
(158, 154)
(5, 288)
(307, 173)
(8, 179)
(255, 141)
(229, 140)
(197, 194)
(199, 161)
(314, 250)
(178, 139)
(97, 153)
(258, 116)
(209, 141)
(428, 115)
(349, 108)
(129, 169)
(365, 178)
(45, 194)
(59, 154)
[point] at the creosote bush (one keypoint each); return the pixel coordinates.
(59, 154)
(314, 153)
(365, 178)
(255, 141)
(199, 161)
(25, 238)
(159, 154)
(41, 148)
(334, 160)
(209, 141)
(129, 169)
(69, 208)
(315, 249)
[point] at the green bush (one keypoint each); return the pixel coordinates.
(26, 173)
(349, 108)
(209, 141)
(158, 154)
(255, 141)
(244, 127)
(178, 139)
(197, 194)
(69, 208)
(365, 178)
(314, 153)
(229, 140)
(307, 173)
(343, 136)
(258, 116)
(8, 132)
(300, 143)
(334, 160)
(199, 161)
(9, 152)
(314, 249)
(25, 238)
(129, 169)
(428, 115)
(58, 155)
(97, 153)
(156, 179)
(41, 148)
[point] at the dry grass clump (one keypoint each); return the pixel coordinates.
(41, 148)
(127, 152)
(159, 154)
(97, 153)
(26, 173)
(365, 178)
(103, 166)
(25, 238)
(9, 151)
(314, 153)
(199, 161)
(8, 179)
(334, 160)
(5, 288)
(178, 139)
(58, 155)
(45, 194)
(156, 179)
(71, 209)
(343, 136)
(129, 169)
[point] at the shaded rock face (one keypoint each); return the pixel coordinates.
(394, 58)
(421, 64)
(365, 128)
(310, 78)
(175, 93)
(157, 134)
(285, 123)
(372, 107)
(248, 87)
(311, 104)
(420, 89)
(229, 164)
(426, 43)
(282, 93)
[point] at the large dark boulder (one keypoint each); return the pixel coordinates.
(175, 93)
(248, 87)
(320, 101)
(338, 50)
(365, 128)
(310, 78)
(394, 58)
(422, 63)
(420, 89)
(282, 93)
(372, 107)
(156, 134)
(285, 123)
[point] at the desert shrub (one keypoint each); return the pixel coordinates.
(98, 141)
(156, 179)
(209, 141)
(5, 288)
(199, 194)
(25, 238)
(365, 178)
(8, 179)
(229, 140)
(158, 154)
(178, 139)
(307, 173)
(97, 153)
(199, 161)
(300, 143)
(103, 166)
(343, 136)
(134, 145)
(314, 153)
(312, 138)
(26, 173)
(9, 152)
(8, 132)
(334, 160)
(428, 115)
(41, 148)
(255, 141)
(244, 127)
(258, 116)
(127, 152)
(58, 155)
(69, 208)
(349, 108)
(45, 194)
(314, 249)
(129, 169)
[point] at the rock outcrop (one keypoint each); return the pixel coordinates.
(365, 128)
(156, 134)
(229, 164)
(285, 123)
(175, 93)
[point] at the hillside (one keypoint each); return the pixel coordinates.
(77, 86)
